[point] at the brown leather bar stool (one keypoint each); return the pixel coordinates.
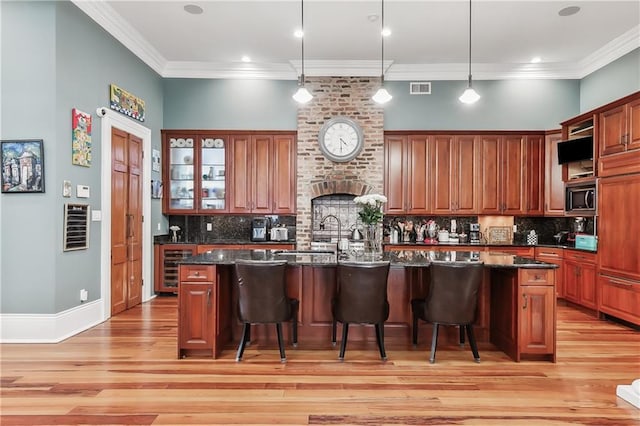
(452, 300)
(361, 298)
(262, 299)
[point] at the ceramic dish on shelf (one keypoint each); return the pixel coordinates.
(180, 142)
(218, 143)
(207, 143)
(173, 142)
(188, 143)
(187, 159)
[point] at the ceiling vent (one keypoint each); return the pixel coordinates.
(420, 88)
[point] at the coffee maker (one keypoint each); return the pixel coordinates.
(259, 229)
(474, 233)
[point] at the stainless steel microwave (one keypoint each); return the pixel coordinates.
(581, 199)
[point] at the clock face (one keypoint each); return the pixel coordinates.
(341, 139)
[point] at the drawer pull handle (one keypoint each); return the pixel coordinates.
(208, 297)
(524, 296)
(612, 281)
(537, 277)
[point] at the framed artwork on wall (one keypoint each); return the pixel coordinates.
(126, 103)
(81, 138)
(22, 166)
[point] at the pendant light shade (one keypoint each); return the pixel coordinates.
(302, 95)
(382, 96)
(469, 96)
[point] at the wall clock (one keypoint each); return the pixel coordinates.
(341, 139)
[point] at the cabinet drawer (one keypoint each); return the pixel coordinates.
(549, 252)
(197, 273)
(620, 298)
(536, 276)
(580, 256)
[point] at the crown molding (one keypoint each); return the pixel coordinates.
(613, 50)
(105, 16)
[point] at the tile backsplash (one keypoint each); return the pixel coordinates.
(193, 229)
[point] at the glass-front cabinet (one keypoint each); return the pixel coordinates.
(194, 172)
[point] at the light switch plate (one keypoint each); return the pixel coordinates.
(66, 188)
(96, 215)
(82, 191)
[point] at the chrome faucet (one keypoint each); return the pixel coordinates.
(324, 219)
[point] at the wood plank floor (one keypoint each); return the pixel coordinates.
(125, 371)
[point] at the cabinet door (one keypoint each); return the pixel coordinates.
(395, 169)
(284, 188)
(571, 287)
(179, 170)
(587, 281)
(535, 175)
(612, 131)
(196, 302)
(261, 174)
(633, 125)
(512, 176)
(537, 319)
(618, 226)
(240, 174)
(442, 174)
(490, 199)
(467, 167)
(553, 183)
(212, 173)
(418, 175)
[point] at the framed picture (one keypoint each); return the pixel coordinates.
(81, 138)
(22, 165)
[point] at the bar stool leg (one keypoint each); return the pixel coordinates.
(343, 344)
(243, 340)
(380, 338)
(334, 327)
(462, 335)
(472, 342)
(434, 343)
(294, 331)
(283, 357)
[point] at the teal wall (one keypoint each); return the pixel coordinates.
(505, 105)
(59, 59)
(613, 81)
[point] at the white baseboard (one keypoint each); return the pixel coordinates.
(49, 328)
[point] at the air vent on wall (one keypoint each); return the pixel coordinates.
(420, 88)
(76, 227)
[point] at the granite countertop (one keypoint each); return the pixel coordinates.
(398, 258)
(438, 244)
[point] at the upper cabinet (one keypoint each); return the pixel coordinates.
(183, 164)
(535, 174)
(582, 131)
(553, 182)
(263, 171)
(455, 167)
(620, 128)
(503, 176)
(209, 172)
(406, 168)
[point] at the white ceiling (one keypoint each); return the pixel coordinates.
(429, 38)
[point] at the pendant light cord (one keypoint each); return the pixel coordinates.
(469, 42)
(302, 41)
(382, 46)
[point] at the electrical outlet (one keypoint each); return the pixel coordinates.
(84, 295)
(515, 228)
(209, 226)
(159, 226)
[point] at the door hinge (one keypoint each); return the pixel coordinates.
(142, 219)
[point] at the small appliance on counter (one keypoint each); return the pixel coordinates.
(586, 242)
(279, 233)
(259, 229)
(474, 233)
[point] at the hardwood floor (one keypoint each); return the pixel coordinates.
(125, 371)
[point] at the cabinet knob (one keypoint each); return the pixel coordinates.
(197, 273)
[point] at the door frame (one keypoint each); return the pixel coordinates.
(112, 119)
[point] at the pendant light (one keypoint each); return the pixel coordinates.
(469, 96)
(382, 96)
(302, 95)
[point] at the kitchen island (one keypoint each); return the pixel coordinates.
(516, 306)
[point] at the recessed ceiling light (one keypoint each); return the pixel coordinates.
(536, 59)
(386, 32)
(193, 9)
(568, 11)
(245, 58)
(298, 33)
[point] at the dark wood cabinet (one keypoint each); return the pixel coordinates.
(502, 176)
(620, 128)
(555, 256)
(580, 278)
(554, 196)
(406, 168)
(536, 318)
(197, 301)
(534, 171)
(455, 169)
(262, 173)
(166, 265)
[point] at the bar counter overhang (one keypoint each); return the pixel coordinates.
(516, 305)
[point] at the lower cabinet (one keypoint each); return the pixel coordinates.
(555, 256)
(619, 297)
(196, 310)
(580, 278)
(536, 316)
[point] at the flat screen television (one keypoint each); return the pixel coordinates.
(575, 150)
